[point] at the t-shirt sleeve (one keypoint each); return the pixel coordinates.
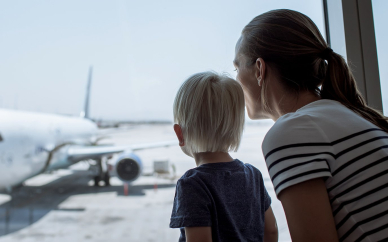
(296, 150)
(267, 200)
(192, 205)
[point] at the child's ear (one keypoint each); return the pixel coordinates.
(179, 134)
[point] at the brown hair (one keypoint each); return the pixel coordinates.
(291, 44)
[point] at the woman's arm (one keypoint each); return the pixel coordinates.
(270, 227)
(308, 212)
(198, 234)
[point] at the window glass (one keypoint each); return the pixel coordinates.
(141, 52)
(138, 49)
(380, 19)
(337, 31)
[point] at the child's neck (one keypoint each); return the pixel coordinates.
(212, 157)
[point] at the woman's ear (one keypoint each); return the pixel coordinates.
(179, 134)
(260, 70)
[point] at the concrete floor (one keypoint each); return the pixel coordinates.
(65, 206)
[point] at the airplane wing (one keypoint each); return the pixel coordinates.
(78, 153)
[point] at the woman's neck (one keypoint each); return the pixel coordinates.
(212, 157)
(284, 105)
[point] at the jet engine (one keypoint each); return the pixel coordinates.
(127, 167)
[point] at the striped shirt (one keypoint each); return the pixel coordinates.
(324, 139)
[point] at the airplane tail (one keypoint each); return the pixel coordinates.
(85, 112)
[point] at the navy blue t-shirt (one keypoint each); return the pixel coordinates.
(230, 197)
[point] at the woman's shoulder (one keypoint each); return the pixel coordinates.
(289, 129)
(322, 121)
(309, 124)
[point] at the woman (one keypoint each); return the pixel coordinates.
(327, 153)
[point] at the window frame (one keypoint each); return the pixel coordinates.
(357, 35)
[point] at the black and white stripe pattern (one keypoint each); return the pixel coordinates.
(325, 139)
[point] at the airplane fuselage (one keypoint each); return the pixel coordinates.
(34, 142)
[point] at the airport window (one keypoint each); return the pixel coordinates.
(141, 52)
(380, 19)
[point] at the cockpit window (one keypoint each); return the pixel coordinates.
(1, 138)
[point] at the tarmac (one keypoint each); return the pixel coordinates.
(64, 205)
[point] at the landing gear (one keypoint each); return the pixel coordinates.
(107, 179)
(97, 181)
(102, 175)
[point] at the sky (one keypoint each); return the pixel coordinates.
(141, 51)
(380, 8)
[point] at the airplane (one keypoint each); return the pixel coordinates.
(33, 143)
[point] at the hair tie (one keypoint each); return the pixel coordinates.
(326, 53)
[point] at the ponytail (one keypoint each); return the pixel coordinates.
(340, 85)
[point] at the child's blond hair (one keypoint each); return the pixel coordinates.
(210, 109)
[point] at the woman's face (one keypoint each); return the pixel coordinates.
(247, 76)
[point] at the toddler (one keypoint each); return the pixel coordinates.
(222, 199)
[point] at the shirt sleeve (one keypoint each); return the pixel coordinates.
(192, 205)
(267, 200)
(296, 150)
